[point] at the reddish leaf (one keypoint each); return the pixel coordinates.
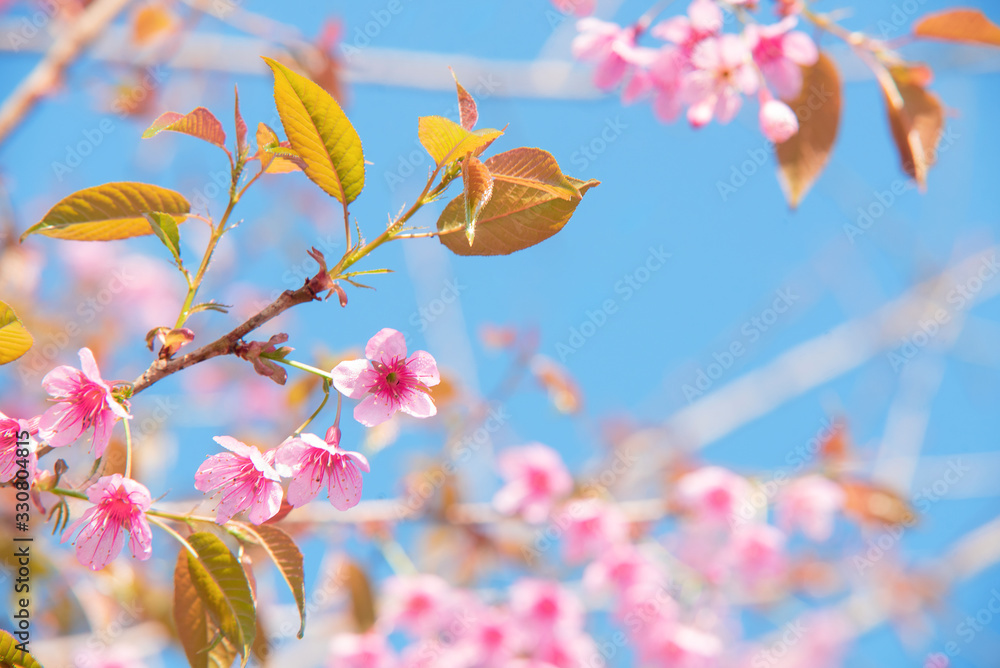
(241, 125)
(959, 25)
(150, 21)
(872, 504)
(467, 112)
(916, 119)
(194, 624)
(478, 189)
(362, 600)
(275, 157)
(199, 123)
(803, 157)
(534, 168)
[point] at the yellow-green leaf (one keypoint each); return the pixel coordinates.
(15, 340)
(803, 156)
(222, 586)
(534, 168)
(195, 627)
(959, 25)
(517, 216)
(447, 141)
(165, 228)
(286, 556)
(478, 188)
(320, 133)
(110, 211)
(200, 123)
(12, 657)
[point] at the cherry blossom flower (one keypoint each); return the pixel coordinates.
(611, 46)
(10, 430)
(245, 479)
(777, 121)
(722, 72)
(592, 527)
(542, 606)
(536, 478)
(937, 660)
(619, 569)
(810, 503)
(418, 603)
(712, 493)
(704, 19)
(84, 400)
(315, 463)
(120, 505)
(388, 381)
(757, 552)
(682, 646)
(360, 650)
(491, 641)
(779, 52)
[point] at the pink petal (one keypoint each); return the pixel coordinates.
(638, 86)
(103, 426)
(676, 30)
(423, 365)
(99, 542)
(705, 16)
(306, 483)
(372, 411)
(727, 106)
(60, 425)
(231, 444)
(419, 405)
(353, 378)
(799, 48)
(89, 366)
(217, 471)
(700, 114)
(359, 460)
(345, 486)
(83, 519)
(667, 107)
(609, 71)
(785, 76)
(61, 381)
(140, 538)
(385, 346)
(732, 50)
(267, 504)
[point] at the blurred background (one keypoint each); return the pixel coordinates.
(686, 248)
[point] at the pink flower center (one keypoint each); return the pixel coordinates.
(395, 382)
(719, 500)
(547, 608)
(119, 509)
(768, 49)
(538, 481)
(90, 400)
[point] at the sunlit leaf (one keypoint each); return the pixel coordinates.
(150, 21)
(320, 133)
(11, 657)
(165, 228)
(110, 211)
(195, 627)
(556, 379)
(286, 556)
(447, 141)
(15, 340)
(517, 215)
(803, 157)
(873, 504)
(467, 112)
(362, 600)
(200, 123)
(916, 119)
(959, 25)
(478, 188)
(532, 167)
(276, 156)
(222, 585)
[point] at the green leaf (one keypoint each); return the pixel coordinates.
(447, 141)
(534, 168)
(200, 123)
(478, 188)
(210, 306)
(197, 631)
(319, 131)
(108, 212)
(223, 588)
(286, 556)
(165, 228)
(15, 340)
(802, 157)
(517, 216)
(11, 657)
(467, 112)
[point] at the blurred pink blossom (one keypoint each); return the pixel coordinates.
(536, 478)
(578, 7)
(722, 74)
(611, 46)
(315, 463)
(810, 504)
(418, 603)
(757, 552)
(10, 429)
(388, 381)
(777, 121)
(779, 52)
(592, 527)
(543, 606)
(120, 505)
(245, 479)
(84, 400)
(703, 20)
(712, 493)
(680, 646)
(360, 650)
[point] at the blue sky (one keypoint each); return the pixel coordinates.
(730, 256)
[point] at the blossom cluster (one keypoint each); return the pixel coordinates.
(640, 582)
(701, 67)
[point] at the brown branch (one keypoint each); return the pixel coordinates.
(227, 344)
(66, 48)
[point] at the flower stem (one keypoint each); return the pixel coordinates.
(326, 397)
(128, 449)
(166, 527)
(68, 492)
(298, 365)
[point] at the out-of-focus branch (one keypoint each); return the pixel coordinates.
(64, 50)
